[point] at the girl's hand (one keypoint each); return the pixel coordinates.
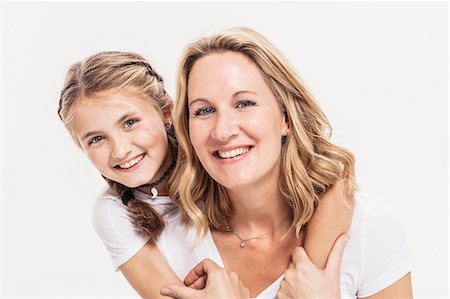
(304, 280)
(219, 284)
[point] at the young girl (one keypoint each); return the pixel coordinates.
(255, 150)
(118, 112)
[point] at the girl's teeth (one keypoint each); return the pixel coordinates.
(132, 162)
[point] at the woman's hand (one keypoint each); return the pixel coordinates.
(217, 282)
(304, 280)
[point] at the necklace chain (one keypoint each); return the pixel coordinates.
(262, 236)
(152, 185)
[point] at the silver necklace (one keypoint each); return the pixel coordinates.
(262, 236)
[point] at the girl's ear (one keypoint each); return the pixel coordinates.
(167, 115)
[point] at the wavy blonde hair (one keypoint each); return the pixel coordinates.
(310, 163)
(110, 72)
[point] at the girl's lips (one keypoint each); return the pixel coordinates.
(134, 166)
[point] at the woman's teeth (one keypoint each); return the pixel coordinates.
(233, 153)
(132, 162)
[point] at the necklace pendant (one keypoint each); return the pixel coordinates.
(242, 243)
(154, 192)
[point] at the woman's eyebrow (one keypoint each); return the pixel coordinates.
(233, 96)
(199, 100)
(243, 91)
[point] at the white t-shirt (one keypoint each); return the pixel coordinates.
(376, 255)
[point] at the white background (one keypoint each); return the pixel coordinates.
(379, 70)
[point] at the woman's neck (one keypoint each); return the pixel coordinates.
(258, 210)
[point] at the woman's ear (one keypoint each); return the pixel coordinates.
(285, 127)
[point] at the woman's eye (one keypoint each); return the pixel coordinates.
(96, 139)
(245, 103)
(203, 111)
(129, 123)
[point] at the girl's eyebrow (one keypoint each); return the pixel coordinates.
(124, 117)
(233, 96)
(118, 122)
(89, 134)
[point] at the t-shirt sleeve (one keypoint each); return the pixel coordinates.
(387, 255)
(114, 224)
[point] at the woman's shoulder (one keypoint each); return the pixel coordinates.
(373, 210)
(374, 220)
(379, 243)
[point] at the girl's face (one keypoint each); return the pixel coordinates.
(124, 137)
(235, 123)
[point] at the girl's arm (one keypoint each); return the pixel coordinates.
(331, 219)
(139, 260)
(304, 280)
(220, 284)
(148, 271)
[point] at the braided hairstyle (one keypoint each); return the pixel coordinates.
(107, 71)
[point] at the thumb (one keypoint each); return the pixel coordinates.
(335, 257)
(178, 291)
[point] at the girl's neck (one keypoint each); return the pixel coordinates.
(162, 187)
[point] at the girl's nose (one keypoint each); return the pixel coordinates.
(121, 149)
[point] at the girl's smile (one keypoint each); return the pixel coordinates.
(132, 164)
(124, 136)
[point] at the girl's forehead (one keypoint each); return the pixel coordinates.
(118, 100)
(108, 110)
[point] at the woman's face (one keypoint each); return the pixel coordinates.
(123, 136)
(235, 123)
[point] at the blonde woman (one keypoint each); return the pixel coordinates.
(118, 112)
(254, 158)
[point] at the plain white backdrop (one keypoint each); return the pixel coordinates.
(378, 69)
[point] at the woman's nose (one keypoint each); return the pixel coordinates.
(225, 127)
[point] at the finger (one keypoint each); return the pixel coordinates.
(282, 291)
(199, 284)
(202, 268)
(299, 255)
(289, 271)
(335, 258)
(178, 291)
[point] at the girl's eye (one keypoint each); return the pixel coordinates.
(129, 123)
(203, 111)
(95, 139)
(245, 103)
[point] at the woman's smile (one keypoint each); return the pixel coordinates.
(232, 153)
(235, 122)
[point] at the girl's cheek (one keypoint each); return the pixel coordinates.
(96, 156)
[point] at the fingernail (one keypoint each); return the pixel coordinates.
(345, 239)
(166, 291)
